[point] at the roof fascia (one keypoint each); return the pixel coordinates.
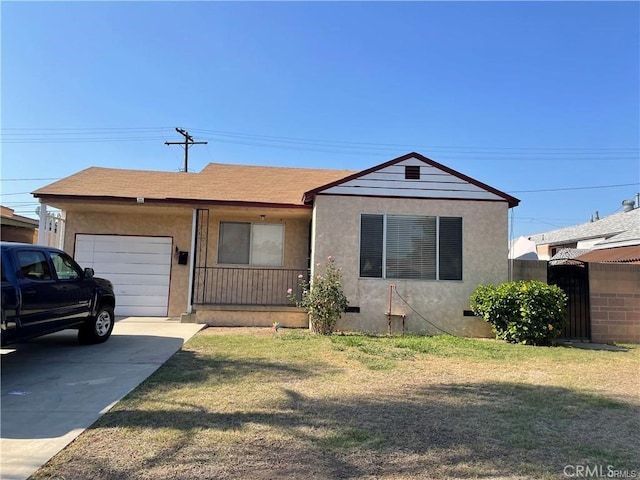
(166, 201)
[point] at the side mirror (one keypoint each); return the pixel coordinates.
(89, 272)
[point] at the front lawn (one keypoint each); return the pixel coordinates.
(256, 404)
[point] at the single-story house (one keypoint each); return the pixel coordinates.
(16, 228)
(413, 238)
(611, 239)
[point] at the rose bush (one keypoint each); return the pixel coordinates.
(322, 298)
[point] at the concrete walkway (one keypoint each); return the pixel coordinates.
(53, 388)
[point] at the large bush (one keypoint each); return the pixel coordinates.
(522, 312)
(322, 298)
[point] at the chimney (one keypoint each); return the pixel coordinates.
(628, 205)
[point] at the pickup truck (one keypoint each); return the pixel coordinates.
(44, 291)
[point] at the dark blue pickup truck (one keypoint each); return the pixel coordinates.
(44, 291)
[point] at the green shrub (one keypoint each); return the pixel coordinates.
(527, 312)
(322, 298)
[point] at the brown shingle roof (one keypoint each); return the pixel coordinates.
(630, 254)
(216, 182)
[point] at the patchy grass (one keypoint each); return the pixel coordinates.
(255, 404)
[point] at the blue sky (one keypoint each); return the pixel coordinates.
(521, 96)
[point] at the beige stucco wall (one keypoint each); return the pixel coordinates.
(234, 316)
(296, 233)
(176, 222)
(176, 225)
(336, 232)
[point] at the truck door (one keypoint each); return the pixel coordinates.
(75, 290)
(41, 303)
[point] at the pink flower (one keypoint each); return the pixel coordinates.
(300, 276)
(330, 258)
(289, 291)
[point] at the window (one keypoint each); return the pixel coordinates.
(34, 265)
(251, 243)
(64, 267)
(411, 247)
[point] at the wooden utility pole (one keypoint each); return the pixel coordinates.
(188, 141)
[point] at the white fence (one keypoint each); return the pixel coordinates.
(52, 233)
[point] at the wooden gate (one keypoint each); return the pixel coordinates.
(573, 279)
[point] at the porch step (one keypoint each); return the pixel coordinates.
(250, 316)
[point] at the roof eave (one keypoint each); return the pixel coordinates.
(51, 198)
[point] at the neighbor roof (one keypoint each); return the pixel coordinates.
(216, 182)
(629, 254)
(623, 226)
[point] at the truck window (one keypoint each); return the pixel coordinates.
(65, 267)
(33, 265)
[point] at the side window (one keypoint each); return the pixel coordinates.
(4, 276)
(64, 266)
(33, 265)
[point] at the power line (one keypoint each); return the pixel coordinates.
(27, 179)
(576, 188)
(100, 135)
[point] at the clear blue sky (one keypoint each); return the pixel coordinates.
(521, 96)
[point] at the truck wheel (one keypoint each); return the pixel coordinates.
(98, 328)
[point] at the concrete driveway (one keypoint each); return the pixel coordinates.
(53, 388)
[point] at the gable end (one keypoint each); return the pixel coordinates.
(412, 176)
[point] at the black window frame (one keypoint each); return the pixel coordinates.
(403, 262)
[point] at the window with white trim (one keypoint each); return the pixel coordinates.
(411, 247)
(244, 243)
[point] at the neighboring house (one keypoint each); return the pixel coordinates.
(225, 244)
(16, 228)
(615, 238)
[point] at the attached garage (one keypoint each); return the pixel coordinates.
(139, 268)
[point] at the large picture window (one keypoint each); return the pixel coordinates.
(251, 243)
(411, 247)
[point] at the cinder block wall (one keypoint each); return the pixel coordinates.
(615, 302)
(529, 270)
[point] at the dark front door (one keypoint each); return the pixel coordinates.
(573, 279)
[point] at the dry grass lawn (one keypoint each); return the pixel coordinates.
(256, 404)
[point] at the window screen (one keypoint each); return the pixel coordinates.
(371, 237)
(450, 248)
(233, 243)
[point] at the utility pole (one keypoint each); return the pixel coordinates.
(188, 141)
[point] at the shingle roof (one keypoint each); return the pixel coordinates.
(613, 255)
(216, 182)
(623, 225)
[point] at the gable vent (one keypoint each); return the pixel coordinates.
(412, 172)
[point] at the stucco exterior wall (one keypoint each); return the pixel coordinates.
(485, 247)
(174, 225)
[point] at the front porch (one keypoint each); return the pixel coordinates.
(243, 296)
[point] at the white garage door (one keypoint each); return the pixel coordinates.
(138, 267)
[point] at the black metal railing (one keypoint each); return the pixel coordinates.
(246, 286)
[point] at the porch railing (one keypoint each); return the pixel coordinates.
(245, 286)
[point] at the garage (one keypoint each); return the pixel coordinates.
(138, 267)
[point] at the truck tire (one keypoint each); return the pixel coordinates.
(98, 328)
